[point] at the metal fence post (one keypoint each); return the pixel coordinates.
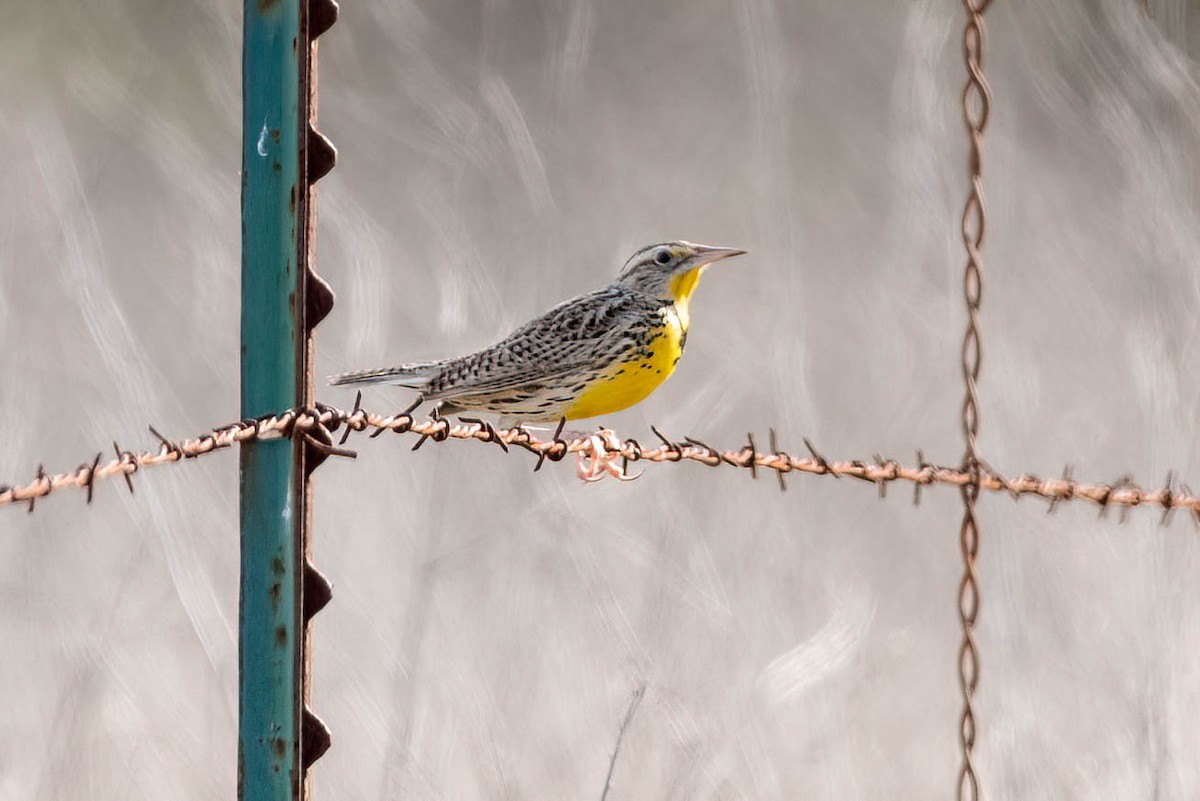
(282, 299)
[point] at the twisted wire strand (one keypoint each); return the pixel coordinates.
(316, 425)
(976, 106)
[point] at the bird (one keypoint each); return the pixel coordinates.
(595, 354)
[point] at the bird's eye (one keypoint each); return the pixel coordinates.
(663, 257)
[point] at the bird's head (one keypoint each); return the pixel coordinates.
(671, 270)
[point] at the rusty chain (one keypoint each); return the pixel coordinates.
(316, 425)
(976, 105)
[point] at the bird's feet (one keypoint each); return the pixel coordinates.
(604, 458)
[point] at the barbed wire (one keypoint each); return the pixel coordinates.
(599, 455)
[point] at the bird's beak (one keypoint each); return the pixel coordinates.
(706, 254)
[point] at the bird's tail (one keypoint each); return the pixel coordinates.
(415, 375)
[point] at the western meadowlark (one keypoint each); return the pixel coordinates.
(594, 354)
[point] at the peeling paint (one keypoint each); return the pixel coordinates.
(262, 141)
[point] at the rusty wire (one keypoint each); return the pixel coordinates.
(315, 425)
(976, 105)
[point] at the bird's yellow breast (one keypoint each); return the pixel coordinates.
(626, 382)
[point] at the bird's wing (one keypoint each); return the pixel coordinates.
(563, 341)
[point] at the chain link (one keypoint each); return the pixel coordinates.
(976, 106)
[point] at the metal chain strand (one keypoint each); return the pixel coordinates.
(976, 106)
(315, 426)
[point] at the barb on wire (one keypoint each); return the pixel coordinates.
(787, 460)
(604, 452)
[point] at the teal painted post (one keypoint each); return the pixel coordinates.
(272, 507)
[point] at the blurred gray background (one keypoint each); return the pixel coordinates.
(489, 626)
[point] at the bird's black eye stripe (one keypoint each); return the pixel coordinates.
(663, 257)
